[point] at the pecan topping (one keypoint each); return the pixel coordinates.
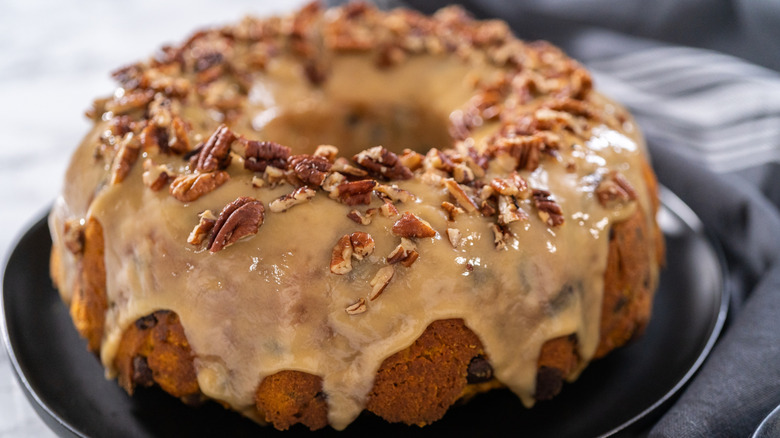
(462, 173)
(362, 244)
(405, 253)
(73, 236)
(260, 154)
(500, 236)
(311, 169)
(130, 101)
(363, 219)
(341, 258)
(382, 163)
(411, 159)
(205, 224)
(331, 183)
(239, 219)
(508, 211)
(298, 196)
(156, 177)
(615, 190)
(341, 165)
(394, 193)
(329, 152)
(410, 225)
(380, 281)
(457, 192)
(354, 192)
(454, 235)
(179, 141)
(515, 185)
(452, 210)
(129, 149)
(388, 209)
(215, 154)
(187, 188)
(357, 308)
(549, 210)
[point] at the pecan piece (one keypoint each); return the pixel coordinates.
(129, 149)
(382, 163)
(394, 193)
(329, 152)
(205, 224)
(187, 188)
(514, 185)
(73, 236)
(362, 244)
(179, 141)
(357, 307)
(341, 257)
(156, 176)
(508, 211)
(311, 169)
(215, 154)
(549, 210)
(354, 192)
(453, 211)
(405, 253)
(411, 159)
(454, 235)
(614, 190)
(380, 281)
(410, 225)
(241, 218)
(286, 202)
(260, 154)
(457, 192)
(363, 219)
(500, 236)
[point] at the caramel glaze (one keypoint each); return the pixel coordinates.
(270, 302)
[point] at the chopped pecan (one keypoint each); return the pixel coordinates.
(341, 165)
(500, 236)
(298, 196)
(311, 169)
(129, 149)
(394, 193)
(382, 163)
(260, 154)
(487, 208)
(332, 182)
(73, 235)
(405, 253)
(354, 192)
(439, 160)
(215, 154)
(329, 152)
(454, 235)
(341, 257)
(388, 209)
(239, 219)
(179, 141)
(187, 188)
(257, 182)
(462, 173)
(380, 281)
(508, 210)
(411, 159)
(549, 210)
(275, 176)
(128, 102)
(154, 137)
(410, 225)
(363, 219)
(460, 196)
(452, 210)
(614, 190)
(205, 224)
(156, 176)
(362, 244)
(357, 307)
(514, 185)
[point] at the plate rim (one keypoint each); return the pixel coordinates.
(669, 200)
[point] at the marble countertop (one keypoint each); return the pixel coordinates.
(56, 57)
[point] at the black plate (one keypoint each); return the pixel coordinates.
(614, 396)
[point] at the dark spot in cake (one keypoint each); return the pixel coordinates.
(479, 370)
(620, 304)
(562, 300)
(142, 374)
(146, 322)
(549, 382)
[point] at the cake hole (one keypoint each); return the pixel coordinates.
(354, 127)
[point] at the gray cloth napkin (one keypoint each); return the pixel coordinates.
(712, 121)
